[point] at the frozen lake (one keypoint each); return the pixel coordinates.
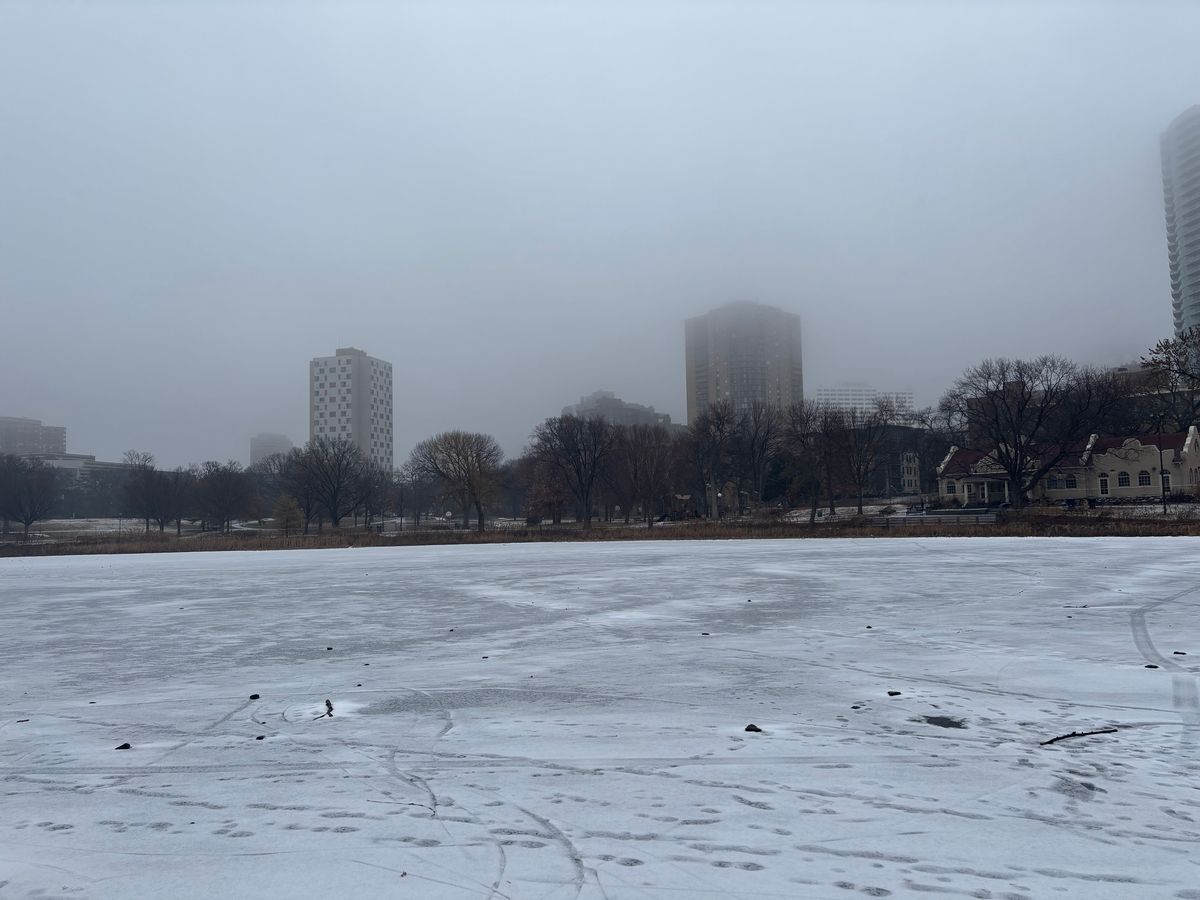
(558, 721)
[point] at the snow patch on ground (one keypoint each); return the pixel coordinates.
(568, 721)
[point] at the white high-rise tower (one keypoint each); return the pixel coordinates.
(350, 397)
(1181, 191)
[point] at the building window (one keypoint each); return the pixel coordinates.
(1052, 483)
(950, 487)
(1103, 484)
(1072, 483)
(1122, 479)
(1166, 478)
(1143, 478)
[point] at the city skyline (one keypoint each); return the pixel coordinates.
(181, 233)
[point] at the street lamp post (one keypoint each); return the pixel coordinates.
(1162, 473)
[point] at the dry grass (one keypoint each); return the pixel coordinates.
(1011, 525)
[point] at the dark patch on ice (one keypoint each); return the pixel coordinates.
(1077, 790)
(124, 746)
(893, 693)
(753, 727)
(943, 721)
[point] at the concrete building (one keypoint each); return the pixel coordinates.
(26, 437)
(1181, 195)
(859, 397)
(78, 465)
(741, 353)
(616, 410)
(266, 444)
(350, 398)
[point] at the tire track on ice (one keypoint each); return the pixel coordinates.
(1185, 696)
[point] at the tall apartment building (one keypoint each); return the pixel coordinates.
(350, 398)
(1181, 195)
(741, 353)
(26, 437)
(266, 444)
(858, 397)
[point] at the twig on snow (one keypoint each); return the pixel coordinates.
(1075, 734)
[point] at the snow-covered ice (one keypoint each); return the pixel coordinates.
(546, 721)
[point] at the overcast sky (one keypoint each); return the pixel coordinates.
(517, 204)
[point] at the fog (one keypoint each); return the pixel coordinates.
(517, 204)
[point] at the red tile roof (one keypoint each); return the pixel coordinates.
(962, 462)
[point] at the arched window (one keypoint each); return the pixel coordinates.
(1072, 483)
(1143, 478)
(1104, 484)
(1122, 479)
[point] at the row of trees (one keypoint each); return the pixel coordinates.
(1029, 414)
(726, 460)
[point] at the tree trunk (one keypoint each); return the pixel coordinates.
(479, 515)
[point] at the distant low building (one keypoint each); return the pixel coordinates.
(77, 464)
(858, 397)
(26, 437)
(615, 410)
(268, 444)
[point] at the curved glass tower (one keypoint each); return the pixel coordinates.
(1181, 193)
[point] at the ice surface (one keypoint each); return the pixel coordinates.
(547, 721)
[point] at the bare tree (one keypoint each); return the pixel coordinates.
(577, 449)
(546, 495)
(711, 443)
(803, 454)
(170, 496)
(295, 480)
(332, 469)
(287, 514)
(863, 437)
(29, 491)
(757, 443)
(1171, 386)
(465, 463)
(375, 493)
(139, 484)
(650, 453)
(223, 493)
(1029, 414)
(10, 473)
(415, 493)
